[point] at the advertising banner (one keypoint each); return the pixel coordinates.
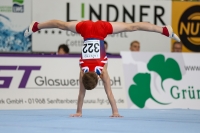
(15, 17)
(162, 80)
(50, 82)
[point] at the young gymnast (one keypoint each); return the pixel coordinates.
(93, 62)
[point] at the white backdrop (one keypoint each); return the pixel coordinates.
(44, 10)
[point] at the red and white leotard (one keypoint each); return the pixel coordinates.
(93, 52)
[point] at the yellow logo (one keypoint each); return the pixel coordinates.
(189, 28)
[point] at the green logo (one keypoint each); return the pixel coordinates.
(17, 7)
(18, 1)
(140, 92)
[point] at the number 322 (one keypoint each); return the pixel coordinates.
(92, 47)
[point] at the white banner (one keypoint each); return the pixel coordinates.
(15, 16)
(162, 80)
(50, 82)
(156, 12)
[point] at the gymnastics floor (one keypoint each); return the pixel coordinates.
(98, 121)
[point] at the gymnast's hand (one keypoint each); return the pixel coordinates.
(116, 115)
(76, 115)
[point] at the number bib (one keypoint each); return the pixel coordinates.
(91, 49)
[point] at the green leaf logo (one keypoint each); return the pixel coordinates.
(140, 92)
(166, 69)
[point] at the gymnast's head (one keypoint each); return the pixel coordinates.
(90, 80)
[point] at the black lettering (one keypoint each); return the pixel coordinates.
(20, 101)
(72, 82)
(77, 82)
(57, 82)
(16, 101)
(84, 50)
(108, 13)
(39, 82)
(50, 82)
(2, 101)
(63, 82)
(141, 12)
(115, 81)
(96, 49)
(68, 13)
(45, 80)
(131, 17)
(90, 46)
(156, 15)
(92, 11)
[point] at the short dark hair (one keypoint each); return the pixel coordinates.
(64, 47)
(90, 80)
